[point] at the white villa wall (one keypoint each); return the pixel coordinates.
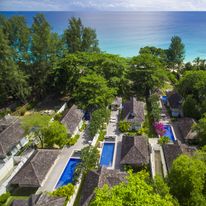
(6, 169)
(3, 186)
(62, 108)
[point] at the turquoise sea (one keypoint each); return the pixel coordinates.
(124, 33)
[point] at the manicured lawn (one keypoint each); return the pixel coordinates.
(12, 198)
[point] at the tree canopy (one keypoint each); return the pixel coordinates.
(187, 180)
(79, 38)
(92, 92)
(137, 191)
(147, 74)
(176, 51)
(55, 134)
(89, 160)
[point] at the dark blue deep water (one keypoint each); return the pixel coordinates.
(68, 173)
(107, 155)
(125, 33)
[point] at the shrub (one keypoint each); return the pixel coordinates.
(84, 125)
(159, 128)
(163, 140)
(73, 140)
(102, 134)
(58, 116)
(155, 109)
(4, 112)
(124, 126)
(4, 197)
(65, 191)
(99, 117)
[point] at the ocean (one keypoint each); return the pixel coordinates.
(124, 33)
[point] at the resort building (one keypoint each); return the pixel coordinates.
(135, 152)
(34, 172)
(171, 152)
(133, 112)
(174, 101)
(183, 130)
(73, 120)
(98, 178)
(40, 200)
(11, 136)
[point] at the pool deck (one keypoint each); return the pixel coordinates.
(112, 129)
(58, 168)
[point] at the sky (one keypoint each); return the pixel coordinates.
(103, 5)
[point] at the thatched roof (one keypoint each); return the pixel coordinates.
(171, 152)
(99, 178)
(174, 99)
(135, 150)
(72, 118)
(134, 108)
(40, 200)
(35, 169)
(183, 129)
(10, 137)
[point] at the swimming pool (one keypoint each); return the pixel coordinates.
(169, 132)
(68, 173)
(107, 154)
(164, 99)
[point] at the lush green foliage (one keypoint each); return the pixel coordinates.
(13, 81)
(89, 160)
(99, 117)
(124, 126)
(4, 197)
(138, 191)
(187, 180)
(147, 74)
(73, 140)
(83, 127)
(64, 191)
(54, 134)
(102, 134)
(192, 87)
(79, 38)
(93, 92)
(154, 107)
(200, 128)
(48, 133)
(176, 51)
(163, 140)
(161, 54)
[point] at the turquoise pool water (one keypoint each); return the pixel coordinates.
(169, 132)
(68, 173)
(107, 154)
